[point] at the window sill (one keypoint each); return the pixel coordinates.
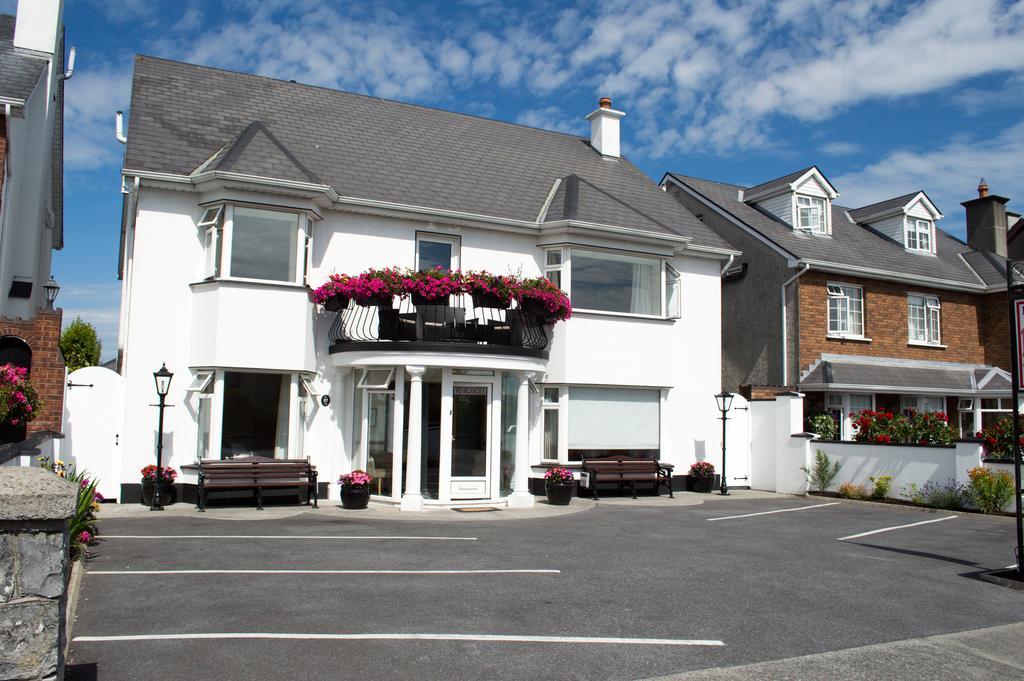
(623, 315)
(859, 339)
(920, 344)
(919, 251)
(256, 283)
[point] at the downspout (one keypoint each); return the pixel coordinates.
(785, 345)
(728, 264)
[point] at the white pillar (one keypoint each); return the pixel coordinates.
(412, 500)
(521, 497)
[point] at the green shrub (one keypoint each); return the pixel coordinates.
(880, 486)
(80, 345)
(823, 425)
(918, 428)
(82, 526)
(951, 496)
(823, 472)
(849, 490)
(990, 490)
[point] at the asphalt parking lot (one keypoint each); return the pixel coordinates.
(616, 591)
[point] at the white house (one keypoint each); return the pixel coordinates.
(244, 192)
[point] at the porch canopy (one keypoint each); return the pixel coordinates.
(882, 375)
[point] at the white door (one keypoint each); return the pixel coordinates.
(737, 460)
(92, 426)
(471, 438)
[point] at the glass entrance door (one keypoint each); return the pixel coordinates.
(380, 456)
(470, 438)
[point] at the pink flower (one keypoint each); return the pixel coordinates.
(84, 537)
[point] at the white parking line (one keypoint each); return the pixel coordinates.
(277, 536)
(323, 572)
(490, 638)
(781, 510)
(897, 527)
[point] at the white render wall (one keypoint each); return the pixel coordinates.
(173, 318)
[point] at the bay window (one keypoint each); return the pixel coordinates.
(923, 319)
(845, 310)
(241, 242)
(615, 282)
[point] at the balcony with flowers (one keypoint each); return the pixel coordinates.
(442, 310)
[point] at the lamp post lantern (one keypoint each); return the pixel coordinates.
(162, 377)
(724, 401)
(51, 288)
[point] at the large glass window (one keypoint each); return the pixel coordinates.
(923, 403)
(433, 251)
(549, 451)
(509, 414)
(614, 419)
(845, 310)
(202, 387)
(923, 317)
(255, 420)
(612, 282)
(263, 244)
(811, 214)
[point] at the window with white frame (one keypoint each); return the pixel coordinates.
(845, 310)
(924, 319)
(551, 408)
(615, 282)
(202, 388)
(621, 419)
(241, 242)
(919, 235)
(553, 266)
(923, 403)
(811, 215)
(436, 250)
(673, 293)
(845, 407)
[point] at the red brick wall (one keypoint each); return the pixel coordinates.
(996, 326)
(965, 321)
(43, 335)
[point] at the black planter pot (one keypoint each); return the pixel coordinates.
(335, 303)
(702, 484)
(375, 301)
(418, 299)
(168, 493)
(560, 493)
(487, 300)
(355, 498)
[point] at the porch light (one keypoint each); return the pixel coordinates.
(724, 400)
(163, 380)
(51, 288)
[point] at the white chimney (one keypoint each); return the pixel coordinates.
(38, 25)
(604, 128)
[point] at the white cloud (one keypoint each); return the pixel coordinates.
(840, 148)
(91, 97)
(552, 118)
(949, 173)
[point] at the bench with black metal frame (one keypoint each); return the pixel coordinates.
(624, 470)
(256, 473)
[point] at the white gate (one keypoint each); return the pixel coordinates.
(92, 426)
(737, 442)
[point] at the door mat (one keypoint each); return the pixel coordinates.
(476, 509)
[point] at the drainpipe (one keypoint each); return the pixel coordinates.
(785, 347)
(728, 264)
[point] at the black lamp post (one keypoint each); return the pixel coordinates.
(724, 400)
(163, 385)
(51, 288)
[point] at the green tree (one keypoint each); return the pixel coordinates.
(80, 345)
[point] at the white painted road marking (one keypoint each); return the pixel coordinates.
(322, 572)
(490, 638)
(281, 536)
(897, 527)
(781, 510)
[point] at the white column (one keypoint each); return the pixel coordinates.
(396, 432)
(412, 500)
(521, 497)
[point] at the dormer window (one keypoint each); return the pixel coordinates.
(811, 214)
(919, 235)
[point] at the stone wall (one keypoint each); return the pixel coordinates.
(34, 509)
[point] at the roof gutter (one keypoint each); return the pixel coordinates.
(872, 273)
(785, 343)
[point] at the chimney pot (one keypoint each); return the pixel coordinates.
(982, 189)
(605, 102)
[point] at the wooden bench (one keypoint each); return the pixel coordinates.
(256, 473)
(624, 469)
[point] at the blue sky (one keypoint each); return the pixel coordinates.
(885, 97)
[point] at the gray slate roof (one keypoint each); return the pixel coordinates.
(910, 378)
(849, 244)
(777, 182)
(881, 206)
(19, 69)
(376, 149)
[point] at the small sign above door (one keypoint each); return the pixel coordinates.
(470, 389)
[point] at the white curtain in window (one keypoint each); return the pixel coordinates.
(614, 418)
(646, 282)
(281, 439)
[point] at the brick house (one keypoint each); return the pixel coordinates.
(31, 201)
(861, 308)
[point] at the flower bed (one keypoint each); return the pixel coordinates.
(919, 428)
(378, 287)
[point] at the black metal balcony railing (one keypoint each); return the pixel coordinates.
(459, 325)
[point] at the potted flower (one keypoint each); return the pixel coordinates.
(540, 296)
(702, 476)
(489, 290)
(168, 494)
(375, 287)
(19, 402)
(334, 294)
(558, 484)
(355, 489)
(433, 286)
